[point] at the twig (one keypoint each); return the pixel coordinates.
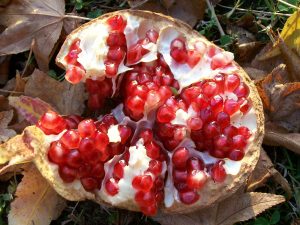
(288, 4)
(77, 17)
(29, 57)
(256, 11)
(213, 14)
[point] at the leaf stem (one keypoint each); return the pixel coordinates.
(288, 4)
(213, 13)
(256, 11)
(77, 17)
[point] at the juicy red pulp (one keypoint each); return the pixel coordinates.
(201, 115)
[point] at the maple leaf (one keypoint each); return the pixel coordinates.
(238, 208)
(63, 96)
(30, 108)
(189, 11)
(28, 20)
(5, 118)
(36, 201)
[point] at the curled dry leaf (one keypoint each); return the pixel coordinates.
(5, 118)
(188, 11)
(265, 170)
(276, 135)
(66, 98)
(36, 202)
(281, 99)
(240, 207)
(17, 150)
(30, 108)
(28, 20)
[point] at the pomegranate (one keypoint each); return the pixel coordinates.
(187, 130)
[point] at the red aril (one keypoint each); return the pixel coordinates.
(70, 139)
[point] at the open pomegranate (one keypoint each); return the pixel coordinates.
(187, 131)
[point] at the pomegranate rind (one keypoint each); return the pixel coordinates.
(212, 192)
(37, 140)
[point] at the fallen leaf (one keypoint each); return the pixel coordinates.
(265, 170)
(19, 85)
(36, 201)
(276, 136)
(30, 108)
(290, 33)
(16, 150)
(255, 74)
(267, 64)
(29, 20)
(291, 59)
(189, 11)
(238, 208)
(63, 96)
(5, 118)
(281, 99)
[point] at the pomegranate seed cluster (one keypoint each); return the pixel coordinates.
(173, 131)
(84, 146)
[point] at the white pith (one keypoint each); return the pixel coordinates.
(137, 165)
(185, 76)
(114, 134)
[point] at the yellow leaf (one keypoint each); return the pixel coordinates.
(36, 201)
(291, 31)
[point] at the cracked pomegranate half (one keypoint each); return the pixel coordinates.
(187, 130)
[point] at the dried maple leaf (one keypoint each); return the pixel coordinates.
(29, 20)
(36, 201)
(30, 108)
(189, 11)
(239, 207)
(5, 118)
(66, 98)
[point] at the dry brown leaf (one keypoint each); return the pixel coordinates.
(5, 118)
(266, 63)
(265, 170)
(281, 99)
(19, 86)
(36, 201)
(239, 207)
(255, 74)
(16, 150)
(291, 59)
(275, 136)
(29, 20)
(66, 98)
(189, 11)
